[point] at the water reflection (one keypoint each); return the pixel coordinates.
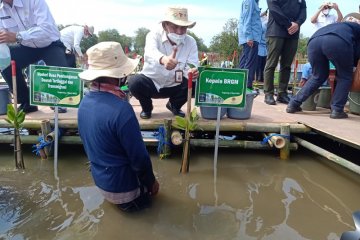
(255, 197)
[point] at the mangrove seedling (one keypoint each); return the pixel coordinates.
(182, 122)
(16, 119)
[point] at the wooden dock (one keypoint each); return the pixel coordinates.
(264, 118)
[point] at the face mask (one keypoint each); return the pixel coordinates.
(176, 38)
(326, 12)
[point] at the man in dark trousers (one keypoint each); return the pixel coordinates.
(340, 44)
(33, 33)
(285, 19)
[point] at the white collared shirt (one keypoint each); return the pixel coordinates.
(324, 20)
(32, 19)
(71, 37)
(157, 45)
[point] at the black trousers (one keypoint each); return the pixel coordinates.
(71, 60)
(321, 50)
(144, 90)
(139, 203)
(52, 55)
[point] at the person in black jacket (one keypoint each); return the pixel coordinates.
(340, 44)
(285, 19)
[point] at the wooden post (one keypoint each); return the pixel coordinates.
(45, 130)
(186, 150)
(19, 160)
(285, 151)
(167, 126)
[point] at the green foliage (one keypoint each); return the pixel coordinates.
(87, 43)
(226, 42)
(139, 40)
(199, 42)
(15, 120)
(302, 46)
(109, 35)
(182, 122)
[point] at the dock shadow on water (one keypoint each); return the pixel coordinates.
(254, 195)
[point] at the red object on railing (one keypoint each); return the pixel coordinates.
(190, 75)
(13, 68)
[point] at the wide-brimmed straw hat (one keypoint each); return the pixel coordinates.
(107, 59)
(351, 16)
(178, 16)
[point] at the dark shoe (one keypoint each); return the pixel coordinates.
(145, 115)
(293, 109)
(338, 115)
(283, 98)
(27, 108)
(60, 109)
(269, 99)
(175, 111)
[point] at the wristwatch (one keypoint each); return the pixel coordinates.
(18, 38)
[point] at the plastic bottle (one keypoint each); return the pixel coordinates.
(5, 56)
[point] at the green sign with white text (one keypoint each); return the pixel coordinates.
(221, 87)
(55, 86)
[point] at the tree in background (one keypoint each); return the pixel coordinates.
(302, 46)
(226, 42)
(139, 40)
(87, 43)
(199, 42)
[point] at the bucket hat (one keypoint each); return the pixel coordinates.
(352, 17)
(107, 59)
(178, 16)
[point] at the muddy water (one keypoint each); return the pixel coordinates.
(254, 195)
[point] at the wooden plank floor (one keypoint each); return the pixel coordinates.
(344, 130)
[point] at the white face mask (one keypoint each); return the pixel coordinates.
(176, 38)
(326, 12)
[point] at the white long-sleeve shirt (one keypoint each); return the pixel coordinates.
(71, 37)
(32, 19)
(157, 45)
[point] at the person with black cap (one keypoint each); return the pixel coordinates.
(169, 53)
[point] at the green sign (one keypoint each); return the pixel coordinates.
(55, 86)
(221, 87)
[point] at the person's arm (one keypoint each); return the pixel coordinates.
(193, 59)
(338, 12)
(42, 14)
(154, 55)
(314, 18)
(278, 15)
(78, 35)
(248, 8)
(132, 142)
(295, 26)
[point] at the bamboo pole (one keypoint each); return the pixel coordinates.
(153, 124)
(19, 160)
(206, 143)
(285, 151)
(256, 145)
(328, 155)
(186, 151)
